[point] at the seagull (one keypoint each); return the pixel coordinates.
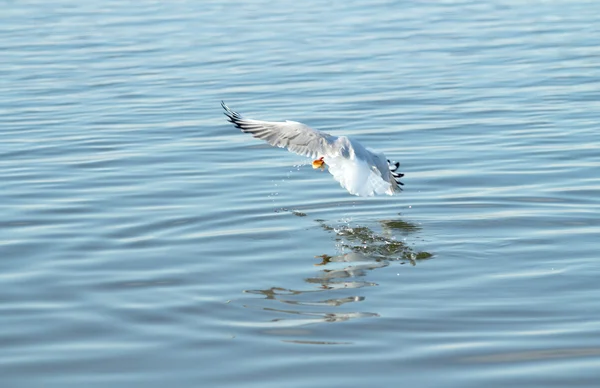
(361, 171)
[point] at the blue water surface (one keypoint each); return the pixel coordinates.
(144, 241)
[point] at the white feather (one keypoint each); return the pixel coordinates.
(360, 171)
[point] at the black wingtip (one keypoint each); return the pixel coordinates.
(232, 116)
(395, 174)
(393, 165)
(228, 112)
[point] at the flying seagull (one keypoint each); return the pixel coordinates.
(359, 170)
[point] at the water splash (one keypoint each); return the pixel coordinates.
(362, 239)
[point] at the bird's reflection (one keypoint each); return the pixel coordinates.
(360, 250)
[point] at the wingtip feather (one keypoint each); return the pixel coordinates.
(232, 116)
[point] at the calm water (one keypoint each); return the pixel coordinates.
(146, 242)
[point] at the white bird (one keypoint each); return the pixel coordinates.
(359, 170)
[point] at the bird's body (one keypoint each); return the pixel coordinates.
(359, 170)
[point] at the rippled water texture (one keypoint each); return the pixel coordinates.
(144, 241)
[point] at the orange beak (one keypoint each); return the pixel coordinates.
(319, 163)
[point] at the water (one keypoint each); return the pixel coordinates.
(146, 242)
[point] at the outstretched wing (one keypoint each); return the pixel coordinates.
(296, 137)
